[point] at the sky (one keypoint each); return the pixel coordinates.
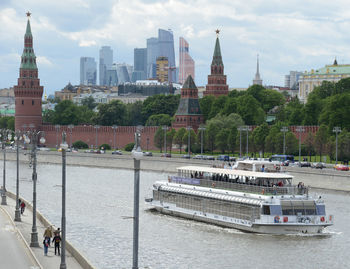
(288, 35)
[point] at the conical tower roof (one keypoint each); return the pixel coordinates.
(189, 83)
(217, 59)
(28, 30)
(28, 56)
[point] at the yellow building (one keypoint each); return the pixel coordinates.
(162, 69)
(309, 80)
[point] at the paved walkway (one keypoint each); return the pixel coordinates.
(25, 228)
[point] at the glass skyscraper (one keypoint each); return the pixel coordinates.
(152, 54)
(186, 65)
(88, 68)
(140, 64)
(106, 62)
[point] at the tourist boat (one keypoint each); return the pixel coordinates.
(259, 202)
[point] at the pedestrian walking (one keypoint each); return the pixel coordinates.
(23, 207)
(46, 246)
(57, 240)
(48, 234)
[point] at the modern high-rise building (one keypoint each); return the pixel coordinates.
(106, 62)
(123, 74)
(88, 71)
(140, 64)
(152, 54)
(186, 63)
(162, 69)
(292, 80)
(257, 80)
(112, 76)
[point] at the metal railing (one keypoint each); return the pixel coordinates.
(242, 187)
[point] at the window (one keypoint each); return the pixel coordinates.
(22, 102)
(32, 102)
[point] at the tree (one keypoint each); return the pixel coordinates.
(179, 136)
(112, 113)
(259, 136)
(291, 143)
(134, 114)
(250, 111)
(232, 139)
(344, 145)
(217, 106)
(160, 104)
(309, 144)
(89, 102)
(256, 91)
(159, 138)
(221, 139)
(169, 138)
(159, 120)
(80, 145)
(321, 140)
(205, 104)
(193, 139)
(105, 147)
(270, 99)
(230, 106)
(313, 109)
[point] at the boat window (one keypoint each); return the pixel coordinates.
(321, 210)
(298, 207)
(266, 210)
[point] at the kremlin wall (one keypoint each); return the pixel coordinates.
(28, 114)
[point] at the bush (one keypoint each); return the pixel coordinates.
(80, 145)
(129, 147)
(105, 147)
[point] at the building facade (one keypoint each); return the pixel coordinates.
(309, 80)
(188, 113)
(106, 62)
(166, 49)
(88, 71)
(28, 92)
(186, 63)
(292, 80)
(162, 69)
(216, 80)
(152, 54)
(140, 64)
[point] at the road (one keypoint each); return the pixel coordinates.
(13, 252)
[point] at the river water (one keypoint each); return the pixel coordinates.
(100, 200)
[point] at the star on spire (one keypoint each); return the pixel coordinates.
(28, 14)
(217, 31)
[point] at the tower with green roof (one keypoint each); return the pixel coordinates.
(28, 92)
(216, 80)
(188, 112)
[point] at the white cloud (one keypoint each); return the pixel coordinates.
(42, 60)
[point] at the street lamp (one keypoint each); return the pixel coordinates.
(201, 129)
(300, 130)
(248, 129)
(64, 147)
(5, 134)
(70, 127)
(17, 138)
(32, 137)
(137, 155)
(284, 129)
(147, 142)
(96, 127)
(336, 130)
(57, 126)
(114, 127)
(189, 128)
(165, 128)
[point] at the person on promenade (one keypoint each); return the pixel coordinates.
(48, 234)
(57, 240)
(23, 207)
(46, 243)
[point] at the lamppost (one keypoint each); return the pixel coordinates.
(165, 128)
(137, 155)
(32, 137)
(5, 134)
(240, 129)
(70, 127)
(57, 126)
(96, 127)
(189, 128)
(336, 130)
(202, 129)
(300, 130)
(64, 147)
(284, 129)
(18, 138)
(147, 142)
(114, 127)
(247, 128)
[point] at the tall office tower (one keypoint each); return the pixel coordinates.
(123, 74)
(112, 76)
(292, 80)
(216, 80)
(162, 69)
(88, 68)
(186, 65)
(106, 61)
(152, 54)
(140, 64)
(166, 49)
(28, 92)
(257, 80)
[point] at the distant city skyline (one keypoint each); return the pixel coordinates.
(285, 35)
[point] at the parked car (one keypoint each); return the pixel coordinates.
(167, 155)
(89, 151)
(147, 153)
(199, 157)
(304, 164)
(210, 158)
(186, 156)
(341, 167)
(224, 158)
(318, 165)
(117, 152)
(232, 159)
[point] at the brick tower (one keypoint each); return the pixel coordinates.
(188, 112)
(28, 92)
(216, 80)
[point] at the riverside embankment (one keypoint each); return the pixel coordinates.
(328, 179)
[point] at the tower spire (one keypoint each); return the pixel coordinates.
(257, 80)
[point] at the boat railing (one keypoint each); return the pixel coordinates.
(242, 187)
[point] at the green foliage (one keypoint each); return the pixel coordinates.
(178, 137)
(89, 102)
(321, 140)
(259, 135)
(159, 120)
(193, 139)
(160, 104)
(217, 106)
(205, 104)
(7, 122)
(159, 138)
(134, 115)
(129, 147)
(105, 147)
(170, 138)
(112, 113)
(344, 145)
(80, 145)
(250, 110)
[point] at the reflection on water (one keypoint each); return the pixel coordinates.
(98, 200)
